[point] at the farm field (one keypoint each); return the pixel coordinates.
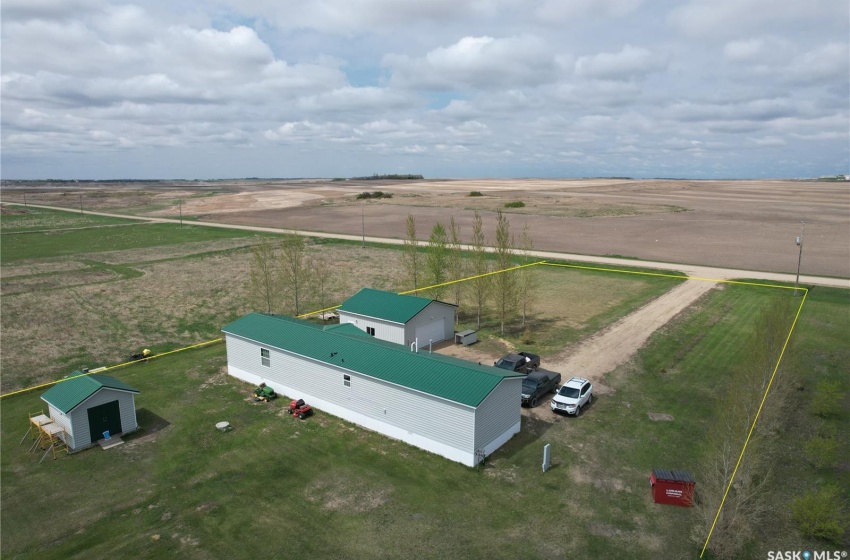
(331, 489)
(749, 225)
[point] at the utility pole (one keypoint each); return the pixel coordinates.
(25, 198)
(81, 203)
(800, 257)
(362, 227)
(180, 202)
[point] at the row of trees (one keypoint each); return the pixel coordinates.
(283, 277)
(444, 262)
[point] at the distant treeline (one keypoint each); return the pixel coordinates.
(392, 176)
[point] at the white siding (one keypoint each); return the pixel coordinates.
(498, 416)
(60, 418)
(432, 311)
(423, 420)
(384, 330)
(80, 416)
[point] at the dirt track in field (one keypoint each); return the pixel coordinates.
(607, 349)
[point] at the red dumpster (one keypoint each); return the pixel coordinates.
(672, 487)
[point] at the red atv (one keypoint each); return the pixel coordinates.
(300, 409)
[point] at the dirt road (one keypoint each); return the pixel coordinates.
(604, 351)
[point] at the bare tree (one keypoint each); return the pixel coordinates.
(293, 272)
(321, 281)
(504, 292)
(745, 504)
(411, 252)
(480, 283)
(527, 283)
(263, 276)
(437, 259)
(455, 263)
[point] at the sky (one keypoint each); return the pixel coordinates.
(184, 89)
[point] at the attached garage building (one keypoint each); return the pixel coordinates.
(399, 319)
(451, 407)
(88, 405)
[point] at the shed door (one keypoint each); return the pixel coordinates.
(435, 330)
(104, 417)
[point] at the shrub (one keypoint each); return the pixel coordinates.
(375, 194)
(822, 451)
(820, 514)
(527, 336)
(827, 399)
(475, 193)
(516, 204)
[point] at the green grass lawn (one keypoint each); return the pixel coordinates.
(46, 245)
(33, 219)
(327, 488)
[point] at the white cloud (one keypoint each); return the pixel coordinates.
(477, 62)
(628, 64)
(344, 16)
(473, 88)
(828, 62)
(565, 10)
(743, 49)
(725, 18)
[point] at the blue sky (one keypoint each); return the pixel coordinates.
(94, 89)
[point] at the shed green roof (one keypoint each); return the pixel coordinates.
(67, 395)
(385, 305)
(450, 378)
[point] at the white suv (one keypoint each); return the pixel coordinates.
(573, 395)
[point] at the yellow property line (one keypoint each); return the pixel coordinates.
(756, 419)
(116, 366)
(471, 278)
(581, 267)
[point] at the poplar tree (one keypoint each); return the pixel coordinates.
(411, 253)
(437, 259)
(527, 284)
(294, 272)
(480, 267)
(456, 269)
(264, 276)
(505, 289)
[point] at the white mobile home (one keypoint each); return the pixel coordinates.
(399, 319)
(451, 407)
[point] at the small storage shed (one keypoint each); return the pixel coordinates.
(400, 319)
(85, 406)
(451, 407)
(675, 488)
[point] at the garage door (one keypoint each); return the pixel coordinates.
(434, 331)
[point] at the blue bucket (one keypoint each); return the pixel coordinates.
(106, 434)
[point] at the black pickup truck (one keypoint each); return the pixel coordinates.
(524, 362)
(537, 384)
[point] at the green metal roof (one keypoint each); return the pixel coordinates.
(345, 328)
(384, 305)
(67, 395)
(442, 376)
